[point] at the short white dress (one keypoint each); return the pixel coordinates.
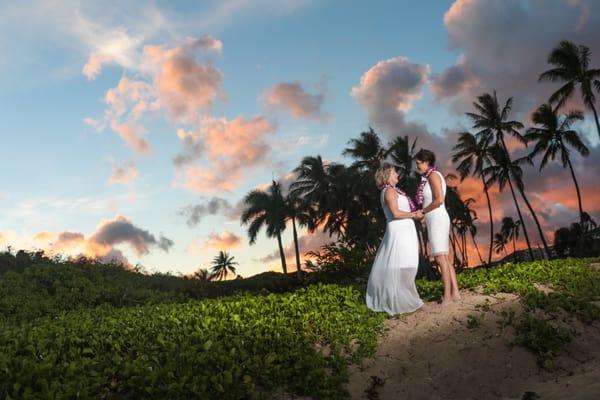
(391, 286)
(437, 221)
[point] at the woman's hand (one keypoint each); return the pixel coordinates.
(418, 215)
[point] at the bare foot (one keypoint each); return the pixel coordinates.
(446, 302)
(456, 297)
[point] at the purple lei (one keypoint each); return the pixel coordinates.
(419, 196)
(411, 204)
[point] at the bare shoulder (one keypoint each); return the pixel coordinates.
(435, 178)
(390, 195)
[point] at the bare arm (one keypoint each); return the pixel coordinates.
(435, 182)
(391, 199)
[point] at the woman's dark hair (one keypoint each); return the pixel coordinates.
(426, 156)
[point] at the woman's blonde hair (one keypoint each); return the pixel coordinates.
(382, 175)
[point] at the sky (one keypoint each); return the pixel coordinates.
(132, 130)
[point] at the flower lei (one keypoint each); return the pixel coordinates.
(419, 196)
(411, 204)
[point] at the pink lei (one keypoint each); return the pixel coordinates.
(411, 204)
(419, 196)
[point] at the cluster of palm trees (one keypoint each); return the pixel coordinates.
(343, 201)
(485, 154)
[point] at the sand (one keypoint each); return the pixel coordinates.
(438, 354)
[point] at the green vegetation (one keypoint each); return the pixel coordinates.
(98, 331)
(230, 348)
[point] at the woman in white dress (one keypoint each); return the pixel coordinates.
(391, 287)
(430, 195)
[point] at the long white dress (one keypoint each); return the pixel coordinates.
(437, 220)
(391, 287)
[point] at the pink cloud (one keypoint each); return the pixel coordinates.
(133, 136)
(184, 86)
(232, 147)
(93, 66)
(123, 175)
(292, 98)
(223, 241)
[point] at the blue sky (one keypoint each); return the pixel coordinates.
(57, 168)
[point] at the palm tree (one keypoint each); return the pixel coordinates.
(202, 275)
(492, 121)
(500, 242)
(222, 265)
(474, 156)
(500, 172)
(301, 212)
(267, 209)
(510, 229)
(367, 151)
(553, 137)
(572, 69)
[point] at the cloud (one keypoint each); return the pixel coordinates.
(503, 47)
(223, 241)
(392, 84)
(195, 213)
(387, 91)
(193, 148)
(67, 240)
(121, 230)
(232, 148)
(184, 87)
(133, 136)
(123, 175)
(292, 98)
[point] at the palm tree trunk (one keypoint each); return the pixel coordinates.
(514, 244)
(477, 248)
(595, 117)
(485, 189)
(537, 222)
(577, 190)
(454, 245)
(512, 191)
(281, 254)
(298, 269)
(464, 246)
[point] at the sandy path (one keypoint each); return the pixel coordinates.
(433, 354)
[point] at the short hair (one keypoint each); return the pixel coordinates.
(382, 175)
(426, 156)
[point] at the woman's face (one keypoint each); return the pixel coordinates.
(393, 179)
(422, 166)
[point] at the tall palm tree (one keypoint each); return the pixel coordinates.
(553, 138)
(222, 265)
(510, 229)
(266, 209)
(514, 170)
(571, 64)
(473, 156)
(500, 172)
(492, 122)
(303, 213)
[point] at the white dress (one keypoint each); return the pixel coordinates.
(391, 287)
(437, 220)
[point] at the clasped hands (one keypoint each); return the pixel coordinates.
(418, 215)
